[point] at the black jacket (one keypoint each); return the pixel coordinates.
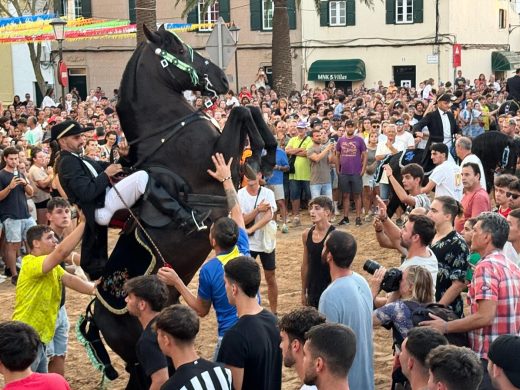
(88, 192)
(513, 88)
(434, 123)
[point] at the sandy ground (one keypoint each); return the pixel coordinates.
(81, 375)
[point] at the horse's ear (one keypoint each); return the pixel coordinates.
(150, 35)
(161, 28)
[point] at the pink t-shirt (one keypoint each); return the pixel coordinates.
(37, 381)
(474, 203)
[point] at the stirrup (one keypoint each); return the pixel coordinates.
(201, 226)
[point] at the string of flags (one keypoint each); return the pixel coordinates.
(36, 28)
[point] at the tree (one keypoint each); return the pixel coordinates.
(145, 13)
(21, 8)
(281, 41)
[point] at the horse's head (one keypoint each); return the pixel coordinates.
(188, 69)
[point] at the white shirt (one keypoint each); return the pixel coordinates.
(382, 149)
(247, 204)
(430, 263)
(511, 253)
(446, 128)
(473, 158)
(406, 139)
(426, 91)
(448, 180)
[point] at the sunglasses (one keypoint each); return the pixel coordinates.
(511, 195)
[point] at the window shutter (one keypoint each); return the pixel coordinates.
(224, 10)
(131, 11)
(418, 6)
(58, 8)
(255, 8)
(390, 11)
(86, 9)
(291, 9)
(193, 15)
(351, 12)
(324, 13)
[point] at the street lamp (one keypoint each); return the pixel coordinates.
(58, 26)
(234, 30)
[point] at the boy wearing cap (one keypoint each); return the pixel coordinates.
(503, 362)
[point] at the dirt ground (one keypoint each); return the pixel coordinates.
(82, 376)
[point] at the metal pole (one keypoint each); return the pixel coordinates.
(60, 46)
(236, 71)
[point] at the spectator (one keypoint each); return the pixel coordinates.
(327, 364)
(41, 176)
(14, 213)
(251, 348)
(320, 156)
(501, 189)
(503, 365)
(512, 246)
(351, 154)
(258, 207)
(446, 177)
(513, 194)
(474, 257)
(299, 180)
(403, 136)
(146, 297)
(370, 186)
(19, 346)
(414, 351)
(452, 253)
(315, 274)
(410, 192)
(293, 327)
(228, 238)
(475, 199)
(177, 327)
(494, 293)
(453, 368)
(348, 301)
(385, 148)
(463, 150)
(276, 184)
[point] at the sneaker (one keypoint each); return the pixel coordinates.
(336, 212)
(14, 280)
(358, 221)
(344, 221)
(296, 221)
(285, 228)
(7, 272)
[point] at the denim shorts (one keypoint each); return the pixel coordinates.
(321, 189)
(300, 189)
(41, 363)
(16, 229)
(58, 344)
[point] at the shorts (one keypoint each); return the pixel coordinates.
(40, 364)
(16, 229)
(268, 259)
(321, 190)
(42, 205)
(384, 191)
(299, 187)
(58, 345)
(369, 181)
(279, 193)
(350, 183)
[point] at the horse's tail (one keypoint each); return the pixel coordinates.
(88, 335)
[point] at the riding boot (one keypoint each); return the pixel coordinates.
(189, 220)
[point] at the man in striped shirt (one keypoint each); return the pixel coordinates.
(177, 326)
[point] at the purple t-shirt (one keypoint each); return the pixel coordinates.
(350, 151)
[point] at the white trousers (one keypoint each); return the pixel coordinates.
(131, 189)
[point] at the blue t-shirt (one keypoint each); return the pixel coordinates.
(348, 301)
(281, 160)
(212, 288)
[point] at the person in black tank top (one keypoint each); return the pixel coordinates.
(315, 273)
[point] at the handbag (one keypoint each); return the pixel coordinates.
(292, 158)
(269, 240)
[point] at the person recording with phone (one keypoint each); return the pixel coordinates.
(14, 213)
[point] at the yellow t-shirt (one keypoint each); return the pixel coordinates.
(38, 296)
(302, 165)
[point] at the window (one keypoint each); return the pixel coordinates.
(267, 14)
(502, 18)
(404, 11)
(338, 13)
(78, 8)
(210, 16)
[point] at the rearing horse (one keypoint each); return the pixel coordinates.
(164, 130)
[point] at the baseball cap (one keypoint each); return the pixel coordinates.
(504, 352)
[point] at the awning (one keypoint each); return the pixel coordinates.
(503, 61)
(337, 70)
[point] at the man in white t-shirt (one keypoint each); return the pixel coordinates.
(463, 150)
(446, 176)
(404, 137)
(258, 207)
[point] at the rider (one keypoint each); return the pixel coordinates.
(513, 86)
(89, 183)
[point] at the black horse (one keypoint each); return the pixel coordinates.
(509, 107)
(164, 130)
(496, 151)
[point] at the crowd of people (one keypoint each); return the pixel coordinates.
(453, 304)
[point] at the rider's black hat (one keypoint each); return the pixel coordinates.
(446, 97)
(66, 128)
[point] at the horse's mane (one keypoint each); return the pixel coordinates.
(129, 79)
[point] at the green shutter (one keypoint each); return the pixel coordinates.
(224, 10)
(291, 9)
(418, 10)
(351, 12)
(324, 13)
(86, 9)
(255, 8)
(58, 10)
(390, 11)
(193, 15)
(131, 11)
